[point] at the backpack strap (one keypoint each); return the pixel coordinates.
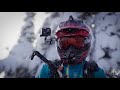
(89, 68)
(88, 71)
(56, 73)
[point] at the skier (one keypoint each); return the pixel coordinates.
(73, 40)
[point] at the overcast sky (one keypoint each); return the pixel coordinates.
(10, 28)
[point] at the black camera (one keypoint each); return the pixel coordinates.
(45, 32)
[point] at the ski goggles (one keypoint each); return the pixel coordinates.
(72, 32)
(75, 41)
(72, 37)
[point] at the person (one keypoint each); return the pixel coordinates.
(73, 40)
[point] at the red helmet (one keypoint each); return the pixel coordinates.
(73, 40)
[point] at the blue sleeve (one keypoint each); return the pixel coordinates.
(44, 72)
(100, 73)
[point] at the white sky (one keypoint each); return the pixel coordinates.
(10, 28)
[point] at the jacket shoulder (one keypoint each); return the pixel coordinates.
(100, 73)
(44, 72)
(93, 67)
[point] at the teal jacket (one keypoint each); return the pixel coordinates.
(72, 71)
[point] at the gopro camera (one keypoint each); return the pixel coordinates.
(45, 32)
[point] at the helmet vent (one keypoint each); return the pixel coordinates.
(71, 18)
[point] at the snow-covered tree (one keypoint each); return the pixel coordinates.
(27, 33)
(2, 74)
(106, 46)
(107, 32)
(19, 56)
